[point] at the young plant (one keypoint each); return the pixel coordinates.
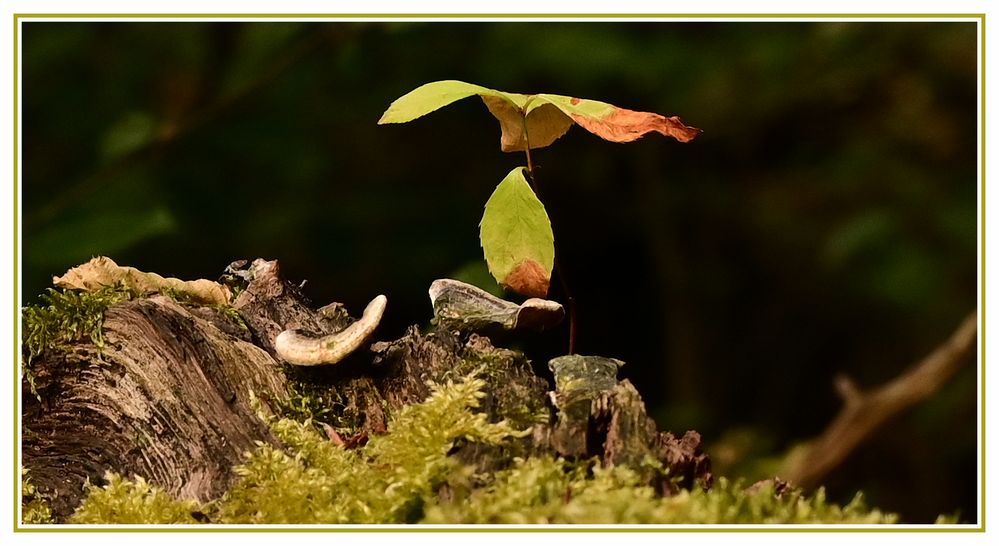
(515, 231)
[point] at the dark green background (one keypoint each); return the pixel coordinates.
(824, 222)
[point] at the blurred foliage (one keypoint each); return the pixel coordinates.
(824, 222)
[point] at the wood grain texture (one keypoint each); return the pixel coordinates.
(168, 398)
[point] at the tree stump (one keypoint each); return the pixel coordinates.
(169, 397)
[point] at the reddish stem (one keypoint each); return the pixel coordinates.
(570, 302)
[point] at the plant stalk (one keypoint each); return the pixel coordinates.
(570, 301)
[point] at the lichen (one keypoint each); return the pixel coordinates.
(34, 506)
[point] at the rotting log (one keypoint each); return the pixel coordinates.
(168, 396)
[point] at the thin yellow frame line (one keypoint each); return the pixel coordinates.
(17, 303)
(981, 332)
(507, 15)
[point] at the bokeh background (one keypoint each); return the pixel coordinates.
(823, 223)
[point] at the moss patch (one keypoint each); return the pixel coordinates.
(34, 508)
(409, 476)
(546, 490)
(316, 403)
(66, 316)
(389, 480)
(132, 501)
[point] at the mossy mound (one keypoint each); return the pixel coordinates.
(409, 475)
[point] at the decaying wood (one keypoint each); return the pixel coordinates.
(168, 397)
(601, 416)
(864, 412)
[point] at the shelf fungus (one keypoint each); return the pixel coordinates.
(465, 307)
(303, 350)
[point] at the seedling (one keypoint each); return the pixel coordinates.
(515, 231)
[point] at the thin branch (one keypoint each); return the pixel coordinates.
(864, 412)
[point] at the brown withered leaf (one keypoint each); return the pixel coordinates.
(528, 278)
(548, 117)
(544, 125)
(623, 125)
(102, 272)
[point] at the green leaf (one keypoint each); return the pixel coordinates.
(517, 238)
(540, 119)
(432, 96)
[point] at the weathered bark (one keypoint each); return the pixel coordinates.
(601, 416)
(168, 397)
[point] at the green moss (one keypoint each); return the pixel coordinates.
(514, 398)
(34, 507)
(67, 316)
(231, 314)
(126, 501)
(409, 476)
(389, 480)
(64, 317)
(180, 296)
(948, 519)
(546, 490)
(317, 403)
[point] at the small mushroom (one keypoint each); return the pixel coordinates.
(465, 307)
(303, 350)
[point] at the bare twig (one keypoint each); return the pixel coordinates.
(864, 412)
